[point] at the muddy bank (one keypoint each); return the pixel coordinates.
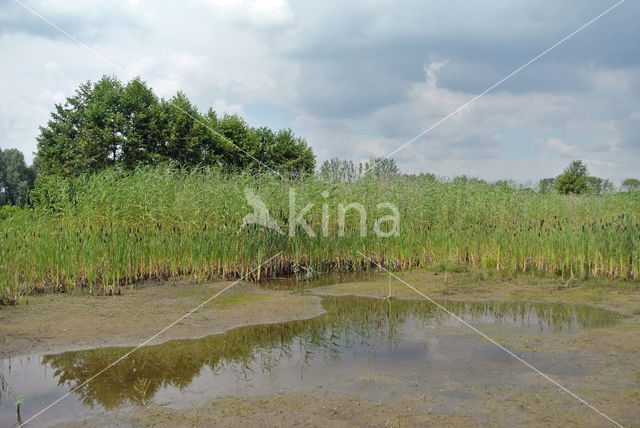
(619, 296)
(58, 322)
(299, 410)
(288, 410)
(492, 408)
(448, 374)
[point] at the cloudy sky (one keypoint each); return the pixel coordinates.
(356, 78)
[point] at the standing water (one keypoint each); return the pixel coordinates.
(373, 348)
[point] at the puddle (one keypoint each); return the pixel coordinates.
(376, 349)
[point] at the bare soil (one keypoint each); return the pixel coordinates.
(52, 323)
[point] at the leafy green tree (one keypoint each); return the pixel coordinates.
(16, 178)
(111, 125)
(184, 135)
(143, 127)
(218, 150)
(598, 186)
(423, 175)
(59, 146)
(546, 184)
(242, 153)
(104, 132)
(285, 152)
(506, 184)
(379, 167)
(89, 131)
(463, 179)
(631, 184)
(573, 179)
(338, 170)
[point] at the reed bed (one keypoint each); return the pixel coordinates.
(103, 232)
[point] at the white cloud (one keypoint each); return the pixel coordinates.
(356, 78)
(221, 105)
(262, 13)
(599, 162)
(558, 146)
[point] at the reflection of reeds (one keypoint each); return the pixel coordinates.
(108, 230)
(373, 324)
(3, 386)
(18, 398)
(17, 404)
(141, 390)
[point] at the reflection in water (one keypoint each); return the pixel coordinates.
(370, 324)
(313, 280)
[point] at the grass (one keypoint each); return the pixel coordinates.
(103, 232)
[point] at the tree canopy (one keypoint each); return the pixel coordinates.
(338, 170)
(16, 178)
(573, 179)
(379, 167)
(111, 124)
(344, 170)
(576, 179)
(631, 184)
(546, 184)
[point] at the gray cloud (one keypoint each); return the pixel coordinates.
(482, 43)
(357, 78)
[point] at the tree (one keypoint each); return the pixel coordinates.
(16, 178)
(88, 132)
(463, 179)
(573, 179)
(111, 125)
(546, 184)
(184, 136)
(59, 147)
(285, 152)
(631, 184)
(338, 170)
(241, 143)
(379, 167)
(598, 186)
(142, 128)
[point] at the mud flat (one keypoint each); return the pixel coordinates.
(59, 322)
(329, 355)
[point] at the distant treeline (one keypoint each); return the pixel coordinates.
(575, 179)
(111, 125)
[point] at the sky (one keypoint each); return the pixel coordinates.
(358, 78)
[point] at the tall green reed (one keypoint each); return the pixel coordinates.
(108, 230)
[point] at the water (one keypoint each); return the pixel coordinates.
(374, 348)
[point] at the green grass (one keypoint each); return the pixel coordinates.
(102, 232)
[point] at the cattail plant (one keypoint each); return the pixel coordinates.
(104, 232)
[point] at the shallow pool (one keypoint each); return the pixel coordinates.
(374, 348)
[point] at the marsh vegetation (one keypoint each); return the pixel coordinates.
(105, 231)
